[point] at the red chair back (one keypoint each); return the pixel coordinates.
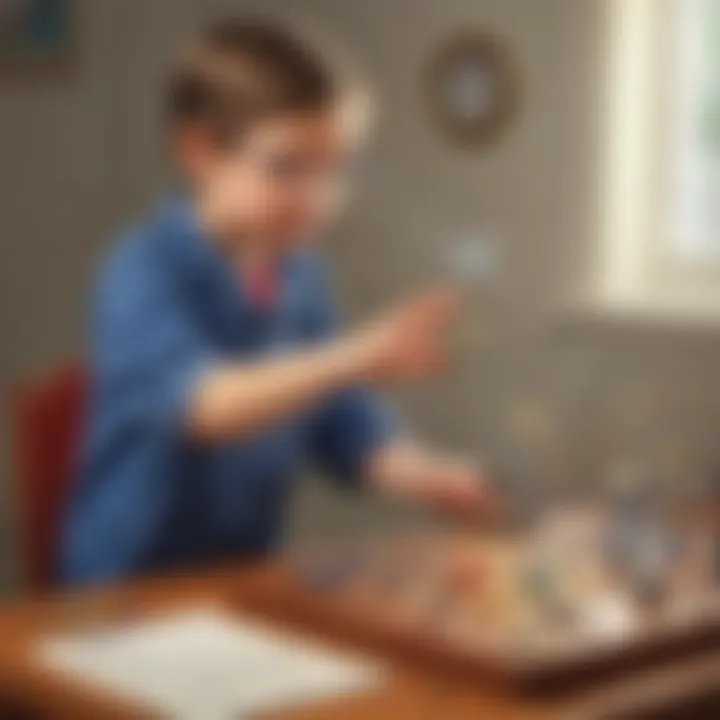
(48, 423)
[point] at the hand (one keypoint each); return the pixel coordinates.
(459, 488)
(408, 343)
(453, 486)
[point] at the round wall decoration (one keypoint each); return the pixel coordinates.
(473, 88)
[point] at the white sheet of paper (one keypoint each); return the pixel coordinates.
(205, 665)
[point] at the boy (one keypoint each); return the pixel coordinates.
(216, 367)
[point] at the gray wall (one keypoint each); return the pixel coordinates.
(77, 155)
(62, 182)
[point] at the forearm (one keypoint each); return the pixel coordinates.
(241, 400)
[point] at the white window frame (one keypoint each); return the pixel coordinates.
(643, 200)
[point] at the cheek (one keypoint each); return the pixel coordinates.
(237, 193)
(254, 205)
(279, 211)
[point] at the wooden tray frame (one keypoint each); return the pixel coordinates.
(283, 599)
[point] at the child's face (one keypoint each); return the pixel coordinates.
(283, 183)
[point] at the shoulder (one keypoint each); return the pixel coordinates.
(153, 250)
(134, 269)
(132, 250)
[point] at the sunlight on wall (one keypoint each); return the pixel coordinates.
(625, 196)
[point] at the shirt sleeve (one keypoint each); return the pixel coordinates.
(347, 431)
(352, 424)
(148, 352)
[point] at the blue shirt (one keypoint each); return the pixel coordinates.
(168, 308)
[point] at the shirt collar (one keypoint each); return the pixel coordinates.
(203, 262)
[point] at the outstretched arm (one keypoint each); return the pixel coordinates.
(240, 400)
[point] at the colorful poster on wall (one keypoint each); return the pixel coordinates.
(35, 35)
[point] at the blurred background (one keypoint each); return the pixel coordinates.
(583, 210)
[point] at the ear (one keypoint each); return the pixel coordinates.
(195, 150)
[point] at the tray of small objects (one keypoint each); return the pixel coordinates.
(582, 597)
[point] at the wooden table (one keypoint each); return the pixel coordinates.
(411, 692)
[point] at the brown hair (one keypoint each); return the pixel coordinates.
(239, 71)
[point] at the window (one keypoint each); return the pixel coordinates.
(660, 199)
(696, 231)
